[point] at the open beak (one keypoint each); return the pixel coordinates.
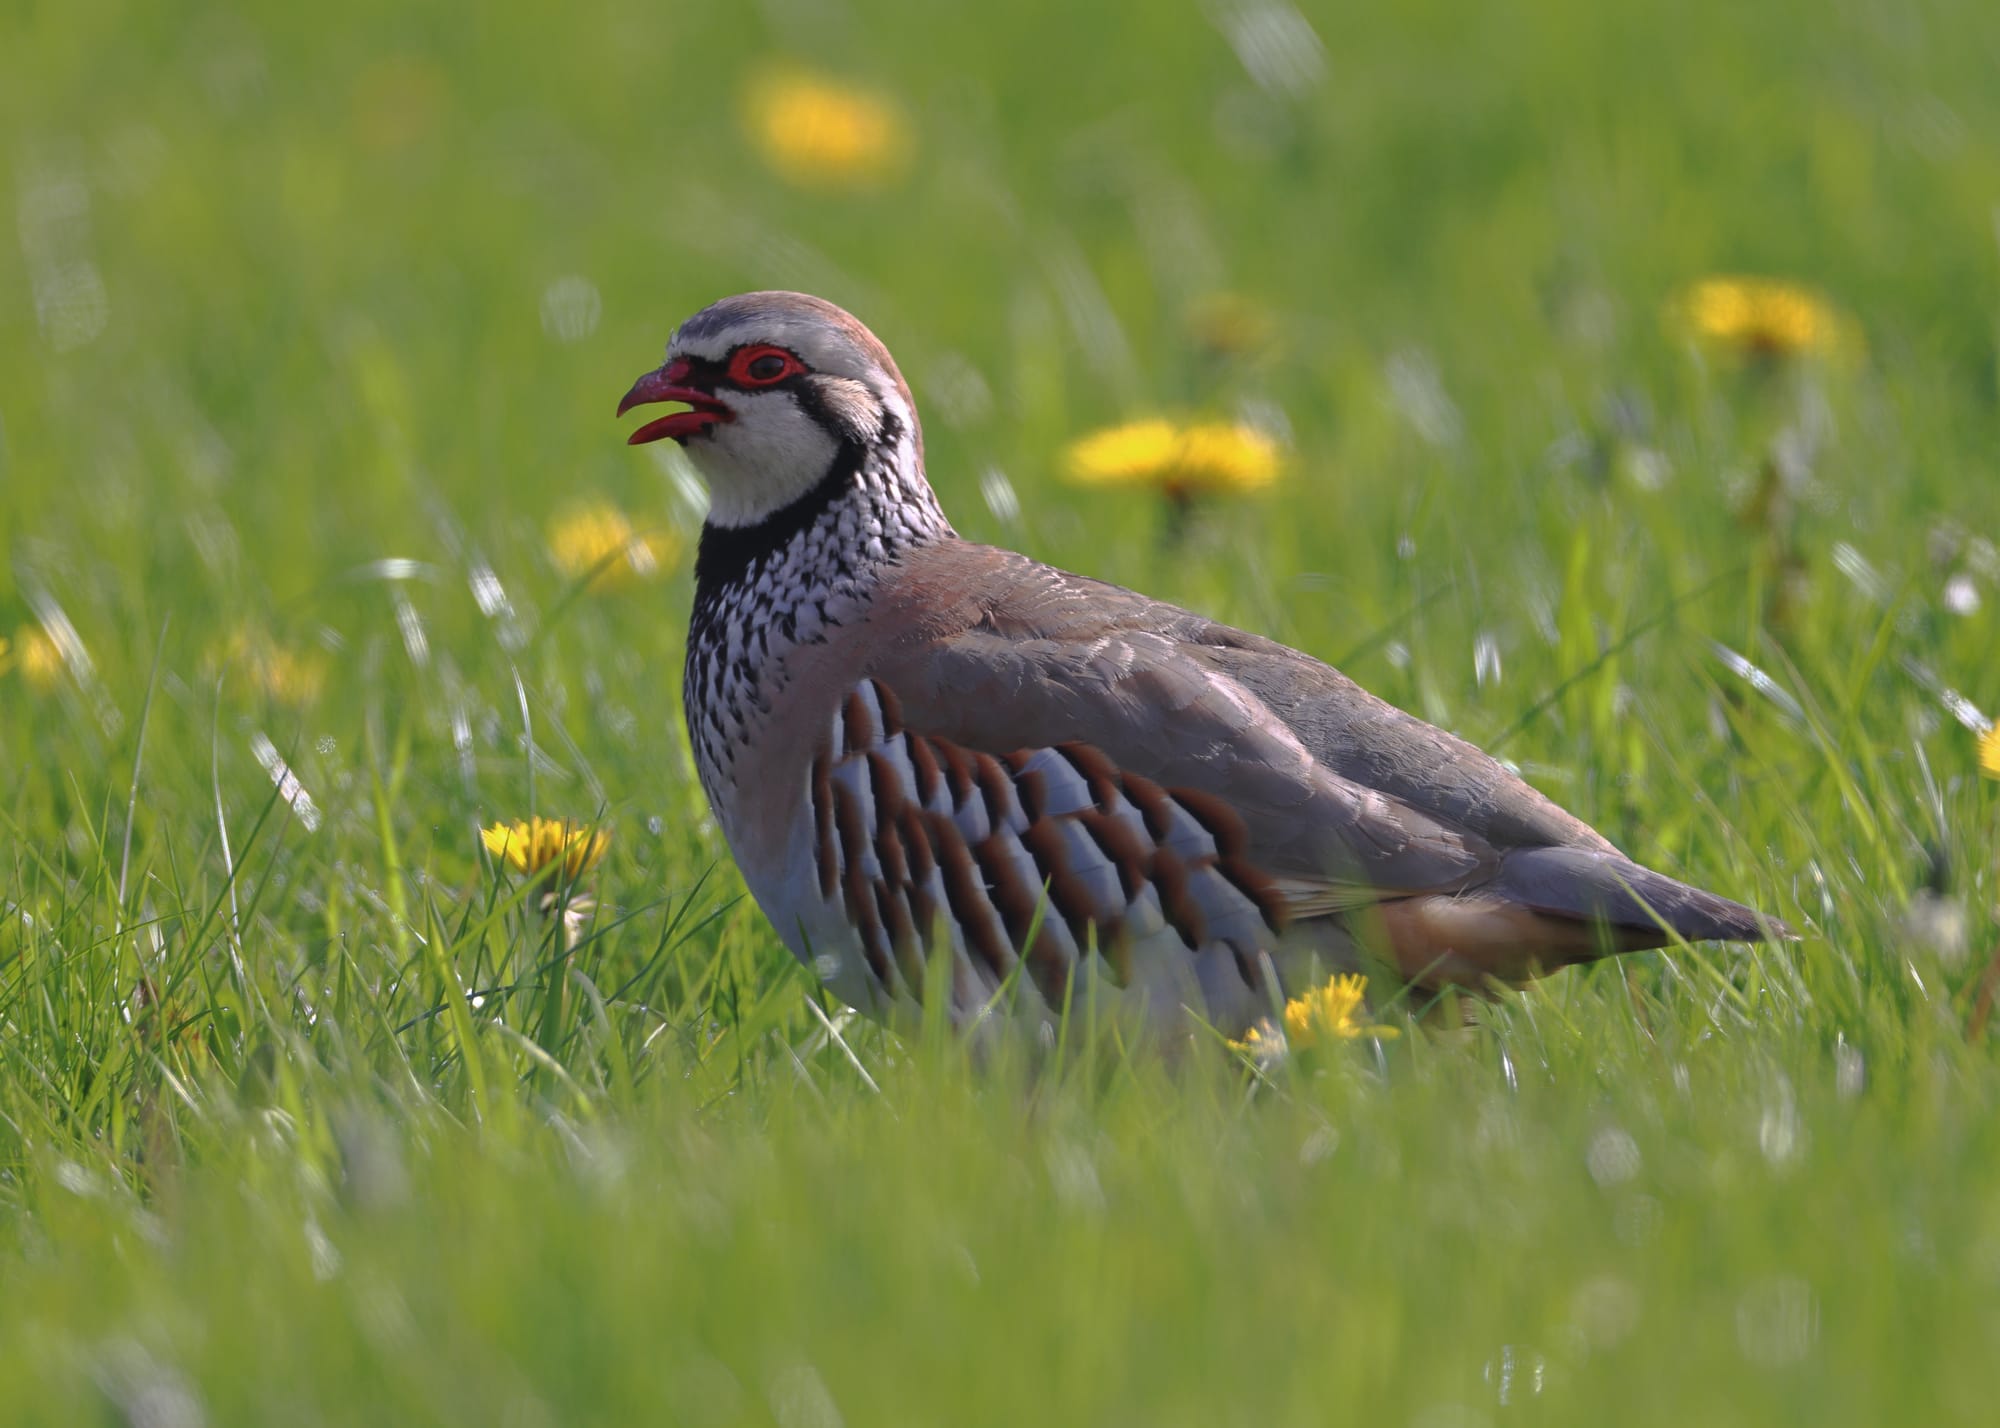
(669, 384)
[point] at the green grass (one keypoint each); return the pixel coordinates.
(275, 362)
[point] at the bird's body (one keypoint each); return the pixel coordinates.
(1082, 792)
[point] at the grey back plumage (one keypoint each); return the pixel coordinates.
(1335, 783)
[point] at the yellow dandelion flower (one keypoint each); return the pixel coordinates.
(1137, 451)
(36, 655)
(1989, 751)
(1324, 1013)
(1762, 317)
(291, 676)
(1180, 460)
(598, 541)
(282, 674)
(820, 132)
(531, 846)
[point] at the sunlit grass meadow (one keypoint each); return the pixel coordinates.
(310, 333)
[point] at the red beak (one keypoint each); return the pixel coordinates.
(669, 385)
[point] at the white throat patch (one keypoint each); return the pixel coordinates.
(768, 457)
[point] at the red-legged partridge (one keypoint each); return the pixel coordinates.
(906, 736)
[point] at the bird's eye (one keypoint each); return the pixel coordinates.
(761, 366)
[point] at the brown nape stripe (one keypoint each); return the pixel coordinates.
(916, 846)
(1122, 847)
(923, 903)
(958, 771)
(825, 853)
(1006, 890)
(892, 709)
(1096, 770)
(903, 938)
(874, 940)
(858, 897)
(966, 895)
(1221, 822)
(1153, 804)
(925, 764)
(857, 727)
(1249, 966)
(995, 788)
(1033, 792)
(1069, 896)
(1017, 901)
(1263, 893)
(1049, 965)
(885, 782)
(1232, 846)
(889, 847)
(1115, 947)
(1175, 883)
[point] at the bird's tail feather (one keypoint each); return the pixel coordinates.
(1600, 887)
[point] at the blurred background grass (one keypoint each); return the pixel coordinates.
(313, 328)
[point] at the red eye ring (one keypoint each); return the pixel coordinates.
(762, 365)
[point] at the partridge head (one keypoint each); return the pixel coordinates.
(779, 386)
(949, 771)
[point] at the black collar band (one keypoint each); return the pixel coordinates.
(728, 553)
